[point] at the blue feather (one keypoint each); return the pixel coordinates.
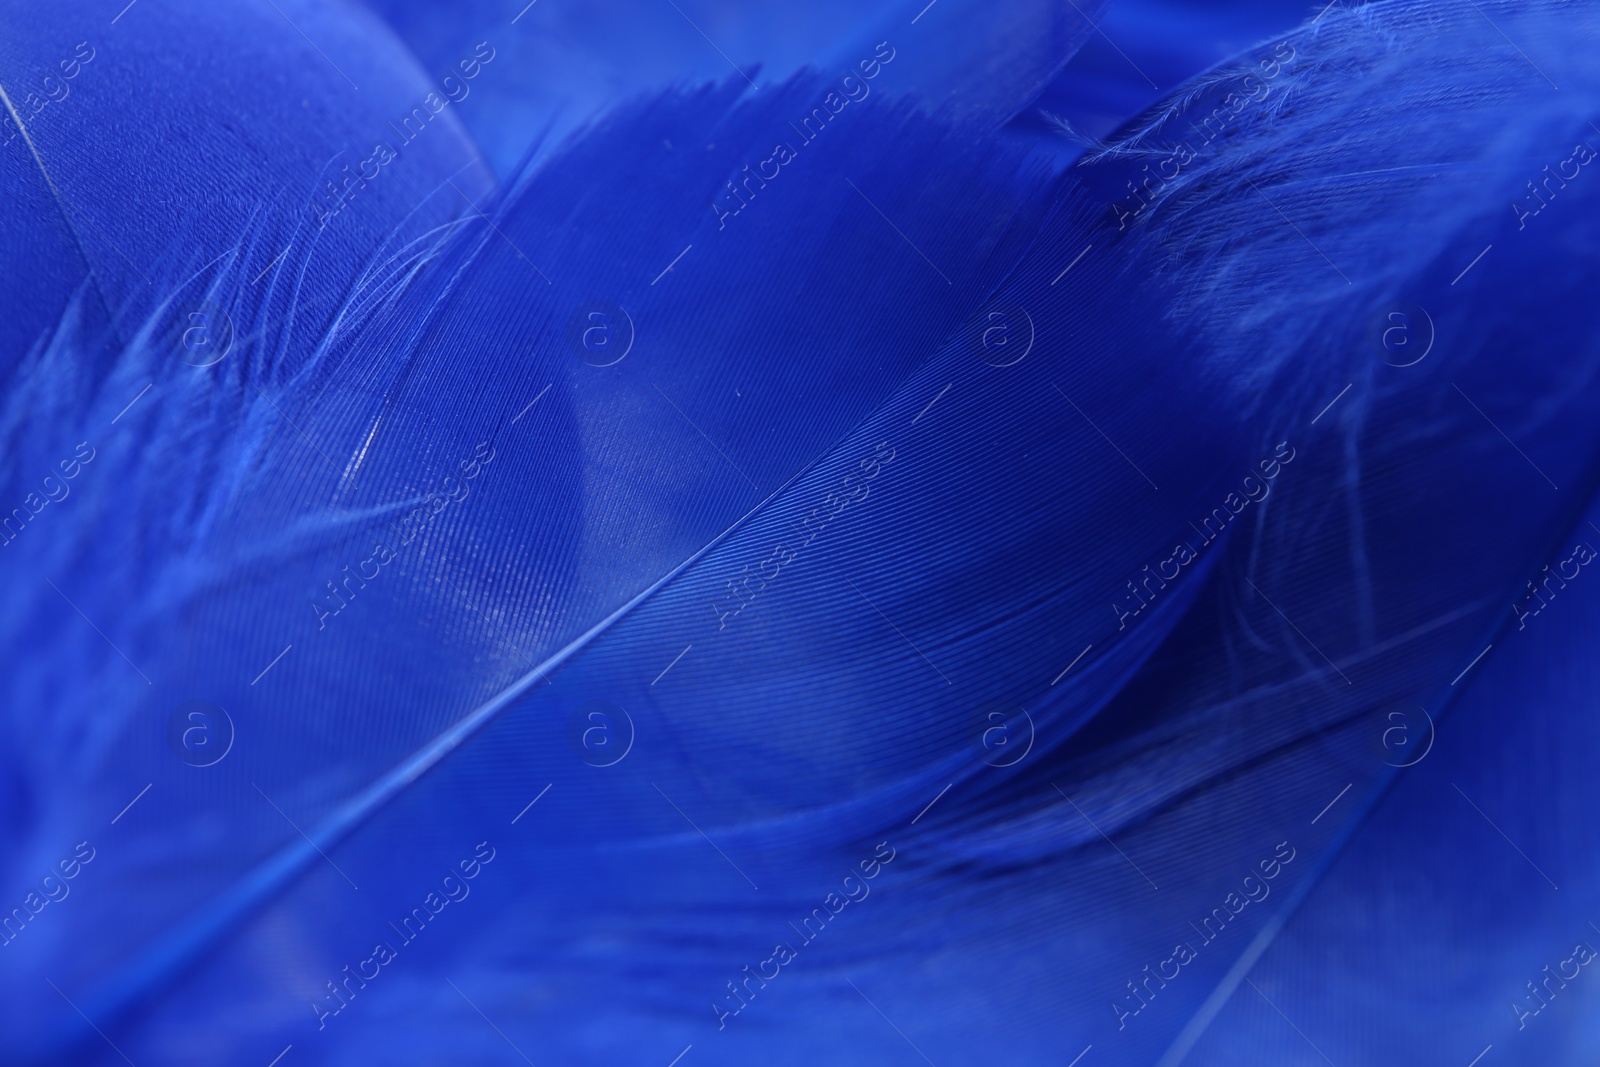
(568, 65)
(606, 577)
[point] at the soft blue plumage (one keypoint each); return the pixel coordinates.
(816, 523)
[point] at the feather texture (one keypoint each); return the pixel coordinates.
(1052, 545)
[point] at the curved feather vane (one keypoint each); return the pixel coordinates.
(1464, 805)
(146, 150)
(568, 64)
(1145, 49)
(796, 576)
